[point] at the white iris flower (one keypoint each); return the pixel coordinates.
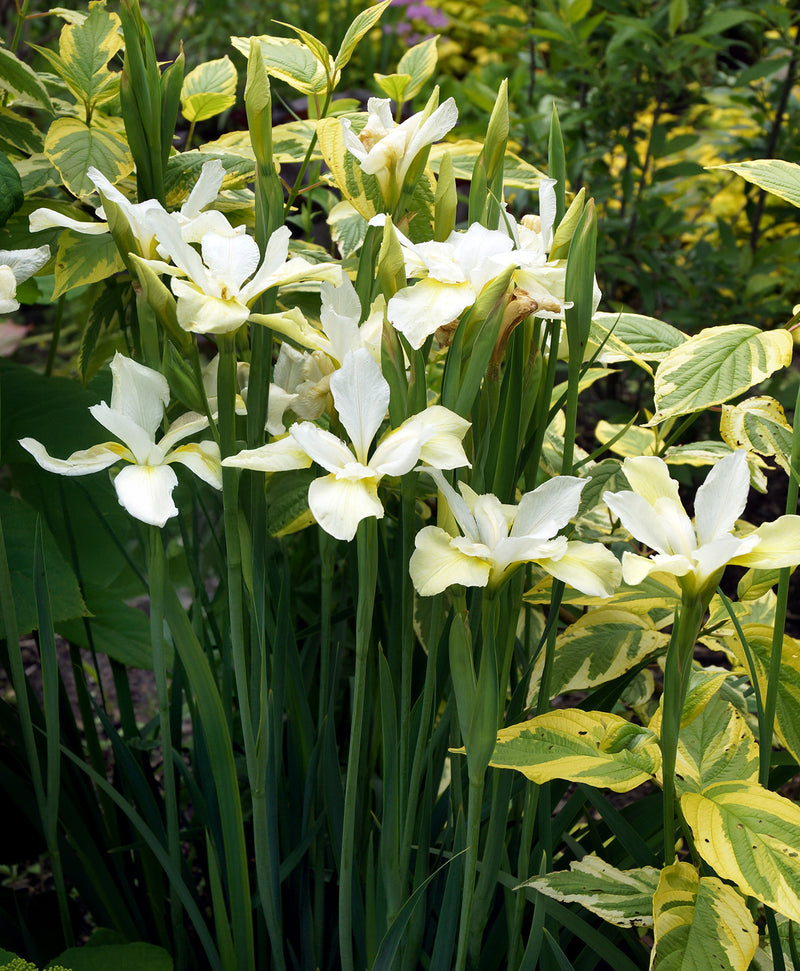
(697, 552)
(228, 274)
(144, 488)
(388, 150)
(190, 217)
(498, 537)
(16, 266)
(349, 492)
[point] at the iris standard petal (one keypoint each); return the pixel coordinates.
(549, 507)
(339, 505)
(649, 477)
(458, 505)
(436, 564)
(138, 392)
(637, 516)
(230, 259)
(145, 491)
(322, 446)
(141, 444)
(721, 499)
(361, 396)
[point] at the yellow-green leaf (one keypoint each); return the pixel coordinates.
(774, 175)
(86, 49)
(393, 86)
(84, 259)
(715, 366)
(348, 228)
(758, 424)
(73, 147)
(700, 922)
(750, 836)
(360, 188)
(517, 173)
(358, 29)
(18, 134)
(290, 61)
(21, 81)
(209, 89)
(651, 592)
(592, 747)
(715, 745)
(644, 337)
(633, 441)
(419, 63)
(600, 646)
(621, 897)
(787, 714)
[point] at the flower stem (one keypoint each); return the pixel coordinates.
(676, 682)
(156, 579)
(256, 751)
(367, 550)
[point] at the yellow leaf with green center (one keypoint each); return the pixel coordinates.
(84, 259)
(290, 61)
(360, 188)
(759, 425)
(715, 743)
(787, 713)
(700, 922)
(599, 647)
(84, 52)
(592, 747)
(652, 592)
(74, 147)
(716, 365)
(209, 90)
(750, 836)
(517, 173)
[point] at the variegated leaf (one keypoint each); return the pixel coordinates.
(291, 61)
(74, 147)
(635, 336)
(700, 922)
(715, 745)
(209, 89)
(716, 365)
(84, 259)
(759, 425)
(621, 897)
(787, 713)
(774, 175)
(592, 747)
(750, 836)
(599, 647)
(650, 593)
(517, 173)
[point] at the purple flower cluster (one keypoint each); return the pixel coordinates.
(425, 15)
